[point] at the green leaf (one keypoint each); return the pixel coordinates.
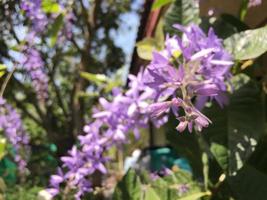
(112, 84)
(3, 67)
(195, 196)
(2, 73)
(221, 154)
(54, 29)
(248, 44)
(2, 70)
(2, 186)
(129, 187)
(231, 19)
(150, 194)
(98, 79)
(168, 186)
(146, 47)
(2, 147)
(159, 3)
(235, 131)
(249, 183)
(49, 6)
(181, 12)
(161, 187)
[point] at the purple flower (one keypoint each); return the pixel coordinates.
(11, 125)
(34, 65)
(189, 72)
(195, 66)
(253, 3)
(33, 11)
(182, 189)
(32, 60)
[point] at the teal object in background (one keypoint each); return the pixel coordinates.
(166, 157)
(8, 171)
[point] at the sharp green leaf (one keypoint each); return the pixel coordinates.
(182, 12)
(249, 183)
(235, 131)
(129, 187)
(248, 44)
(221, 154)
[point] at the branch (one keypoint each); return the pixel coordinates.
(30, 115)
(3, 87)
(75, 44)
(57, 90)
(29, 93)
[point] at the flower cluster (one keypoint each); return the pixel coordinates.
(33, 11)
(185, 75)
(11, 125)
(34, 65)
(32, 60)
(113, 121)
(182, 78)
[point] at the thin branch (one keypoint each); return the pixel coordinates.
(59, 98)
(3, 87)
(57, 90)
(14, 35)
(76, 44)
(30, 115)
(35, 104)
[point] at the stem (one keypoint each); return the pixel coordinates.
(205, 161)
(243, 10)
(204, 147)
(3, 87)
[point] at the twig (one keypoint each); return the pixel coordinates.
(3, 87)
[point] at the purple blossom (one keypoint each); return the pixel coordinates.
(195, 66)
(113, 121)
(160, 173)
(182, 189)
(253, 3)
(34, 65)
(11, 125)
(32, 60)
(39, 20)
(33, 11)
(189, 72)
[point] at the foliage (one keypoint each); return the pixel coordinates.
(177, 184)
(90, 48)
(62, 84)
(22, 193)
(249, 44)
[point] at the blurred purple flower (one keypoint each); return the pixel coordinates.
(182, 189)
(34, 65)
(253, 3)
(11, 125)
